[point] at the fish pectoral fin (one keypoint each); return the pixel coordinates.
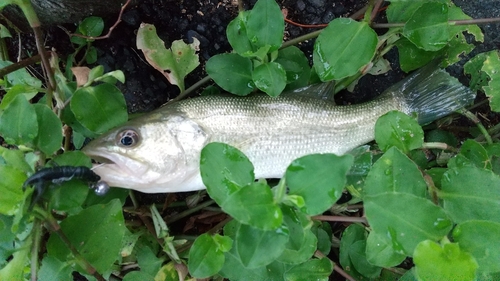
(244, 144)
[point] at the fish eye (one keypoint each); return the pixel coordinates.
(127, 138)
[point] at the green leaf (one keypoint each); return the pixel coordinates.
(49, 138)
(456, 13)
(91, 26)
(446, 262)
(53, 269)
(99, 108)
(343, 48)
(146, 256)
(302, 242)
(265, 25)
(400, 130)
(406, 219)
(478, 78)
(296, 67)
(4, 31)
(68, 196)
(21, 77)
(476, 153)
(401, 11)
(205, 259)
(471, 193)
(15, 159)
(236, 33)
(379, 251)
(319, 179)
(357, 254)
(73, 158)
(96, 72)
(137, 276)
(254, 205)
(168, 272)
(224, 170)
(480, 238)
(111, 77)
(18, 123)
(91, 55)
(494, 153)
(235, 271)
(174, 63)
(240, 81)
(28, 91)
(99, 241)
(441, 136)
(257, 247)
(270, 78)
(411, 57)
(352, 234)
(323, 234)
(315, 269)
(395, 172)
(363, 161)
(15, 268)
(427, 28)
(10, 188)
(490, 67)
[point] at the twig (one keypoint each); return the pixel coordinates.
(340, 219)
(340, 271)
(376, 10)
(321, 25)
(451, 22)
(21, 64)
(118, 20)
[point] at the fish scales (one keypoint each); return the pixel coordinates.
(274, 131)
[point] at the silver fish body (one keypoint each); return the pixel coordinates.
(160, 151)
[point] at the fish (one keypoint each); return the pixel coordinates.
(159, 152)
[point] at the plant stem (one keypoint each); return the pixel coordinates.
(438, 145)
(189, 211)
(302, 38)
(433, 190)
(191, 89)
(480, 126)
(37, 236)
(34, 22)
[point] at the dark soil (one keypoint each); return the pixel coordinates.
(146, 89)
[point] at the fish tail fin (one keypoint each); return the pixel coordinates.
(433, 93)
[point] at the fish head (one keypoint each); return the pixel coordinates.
(152, 154)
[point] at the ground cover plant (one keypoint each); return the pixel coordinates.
(423, 219)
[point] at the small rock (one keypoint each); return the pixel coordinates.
(300, 5)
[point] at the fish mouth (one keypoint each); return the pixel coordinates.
(112, 166)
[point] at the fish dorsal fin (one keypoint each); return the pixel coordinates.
(323, 91)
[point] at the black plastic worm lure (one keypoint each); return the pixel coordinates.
(57, 175)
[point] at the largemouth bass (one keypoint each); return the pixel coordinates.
(160, 151)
